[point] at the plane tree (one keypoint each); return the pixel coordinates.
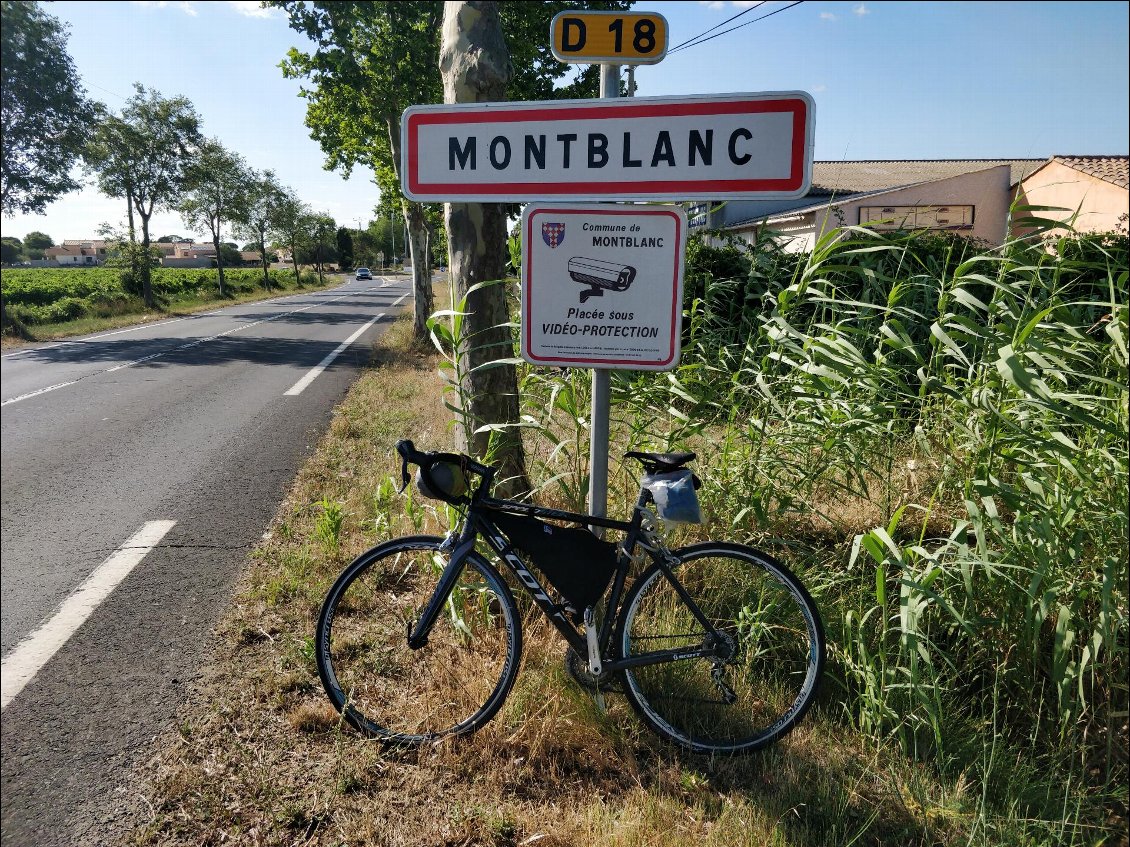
(344, 247)
(291, 225)
(373, 60)
(322, 231)
(265, 197)
(145, 156)
(218, 182)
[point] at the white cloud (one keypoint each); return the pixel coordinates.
(184, 5)
(817, 89)
(252, 9)
(861, 10)
(712, 4)
(827, 16)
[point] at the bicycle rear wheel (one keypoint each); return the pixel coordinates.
(453, 684)
(762, 676)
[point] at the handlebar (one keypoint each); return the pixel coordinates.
(425, 460)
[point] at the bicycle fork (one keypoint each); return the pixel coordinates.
(461, 547)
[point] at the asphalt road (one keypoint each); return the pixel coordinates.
(138, 469)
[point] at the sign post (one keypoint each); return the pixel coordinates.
(601, 403)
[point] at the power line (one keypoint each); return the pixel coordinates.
(739, 26)
(690, 41)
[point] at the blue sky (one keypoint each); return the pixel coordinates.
(891, 80)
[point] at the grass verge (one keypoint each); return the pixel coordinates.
(258, 756)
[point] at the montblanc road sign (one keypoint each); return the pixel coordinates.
(715, 147)
(602, 285)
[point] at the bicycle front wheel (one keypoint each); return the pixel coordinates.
(767, 657)
(454, 683)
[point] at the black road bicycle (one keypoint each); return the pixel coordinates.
(717, 646)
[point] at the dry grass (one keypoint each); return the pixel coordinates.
(258, 757)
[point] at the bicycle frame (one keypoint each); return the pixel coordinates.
(477, 523)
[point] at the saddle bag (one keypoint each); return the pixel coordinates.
(577, 563)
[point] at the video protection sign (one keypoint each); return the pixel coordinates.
(602, 285)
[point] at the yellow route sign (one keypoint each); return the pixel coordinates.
(624, 38)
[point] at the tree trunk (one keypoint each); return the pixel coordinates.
(416, 222)
(423, 302)
(146, 270)
(294, 262)
(219, 259)
(134, 263)
(475, 66)
(263, 259)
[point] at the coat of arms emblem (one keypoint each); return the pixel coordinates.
(553, 234)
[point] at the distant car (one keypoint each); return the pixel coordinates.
(364, 273)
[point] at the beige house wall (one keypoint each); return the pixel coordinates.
(987, 191)
(1100, 204)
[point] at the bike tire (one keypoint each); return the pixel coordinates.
(453, 684)
(772, 666)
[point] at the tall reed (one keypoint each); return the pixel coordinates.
(938, 430)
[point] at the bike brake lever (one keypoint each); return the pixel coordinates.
(405, 477)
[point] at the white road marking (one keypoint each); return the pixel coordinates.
(37, 393)
(316, 371)
(199, 341)
(29, 656)
(103, 335)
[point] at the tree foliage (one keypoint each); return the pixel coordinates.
(290, 227)
(217, 183)
(322, 231)
(38, 240)
(344, 247)
(145, 156)
(11, 250)
(45, 110)
(265, 196)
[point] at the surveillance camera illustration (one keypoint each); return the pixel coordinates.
(600, 275)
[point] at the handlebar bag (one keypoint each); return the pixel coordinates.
(577, 563)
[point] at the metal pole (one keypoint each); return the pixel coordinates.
(601, 382)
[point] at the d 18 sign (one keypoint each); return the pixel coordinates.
(625, 38)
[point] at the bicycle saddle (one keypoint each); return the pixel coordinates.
(660, 462)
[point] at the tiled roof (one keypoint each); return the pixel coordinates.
(1112, 169)
(861, 177)
(70, 250)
